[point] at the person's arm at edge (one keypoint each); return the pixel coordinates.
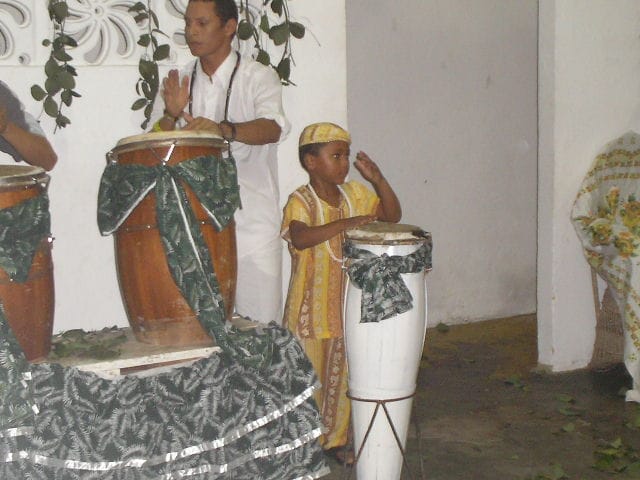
(33, 148)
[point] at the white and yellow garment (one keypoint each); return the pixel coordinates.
(606, 216)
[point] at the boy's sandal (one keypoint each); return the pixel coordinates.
(343, 455)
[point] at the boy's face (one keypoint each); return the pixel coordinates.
(331, 164)
(204, 31)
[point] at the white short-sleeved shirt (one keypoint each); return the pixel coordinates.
(256, 93)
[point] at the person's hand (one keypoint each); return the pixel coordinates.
(175, 93)
(201, 123)
(4, 120)
(367, 168)
(355, 222)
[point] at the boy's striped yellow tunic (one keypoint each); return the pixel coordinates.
(313, 311)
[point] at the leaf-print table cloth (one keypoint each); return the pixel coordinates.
(246, 413)
(606, 217)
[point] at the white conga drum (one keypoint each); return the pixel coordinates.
(383, 357)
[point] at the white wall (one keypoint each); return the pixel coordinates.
(442, 93)
(589, 95)
(87, 294)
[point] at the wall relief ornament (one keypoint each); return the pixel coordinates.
(129, 32)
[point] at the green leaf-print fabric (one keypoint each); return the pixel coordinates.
(22, 229)
(384, 293)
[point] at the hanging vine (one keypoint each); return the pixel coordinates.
(59, 87)
(257, 27)
(149, 81)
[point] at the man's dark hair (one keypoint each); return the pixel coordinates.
(309, 149)
(225, 9)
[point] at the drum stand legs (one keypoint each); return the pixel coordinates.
(383, 404)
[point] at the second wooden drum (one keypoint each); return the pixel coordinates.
(157, 311)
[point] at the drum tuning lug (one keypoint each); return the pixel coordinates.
(111, 157)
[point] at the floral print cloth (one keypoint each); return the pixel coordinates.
(606, 217)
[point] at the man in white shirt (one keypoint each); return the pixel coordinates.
(222, 92)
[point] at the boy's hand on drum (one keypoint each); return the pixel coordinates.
(201, 123)
(175, 93)
(355, 222)
(368, 168)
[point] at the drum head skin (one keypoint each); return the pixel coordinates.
(386, 233)
(14, 175)
(170, 137)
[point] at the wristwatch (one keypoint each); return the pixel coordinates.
(232, 128)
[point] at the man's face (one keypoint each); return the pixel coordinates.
(205, 33)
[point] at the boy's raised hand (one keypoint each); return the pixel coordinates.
(367, 168)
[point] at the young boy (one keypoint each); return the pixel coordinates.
(315, 217)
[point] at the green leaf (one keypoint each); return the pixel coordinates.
(137, 7)
(515, 381)
(161, 53)
(38, 93)
(62, 56)
(263, 57)
(276, 6)
(633, 470)
(442, 327)
(569, 412)
(569, 427)
(68, 40)
(148, 110)
(147, 68)
(297, 29)
(141, 17)
(50, 106)
(264, 24)
(284, 68)
(139, 103)
(66, 97)
(146, 90)
(245, 30)
(66, 80)
(59, 11)
(144, 40)
(52, 85)
(279, 34)
(51, 67)
(62, 121)
(565, 398)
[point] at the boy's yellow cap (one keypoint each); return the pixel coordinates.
(322, 133)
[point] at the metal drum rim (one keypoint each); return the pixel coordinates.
(411, 235)
(24, 175)
(193, 138)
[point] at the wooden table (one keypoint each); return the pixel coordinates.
(142, 358)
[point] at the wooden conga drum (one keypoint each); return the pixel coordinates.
(383, 357)
(28, 306)
(157, 311)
